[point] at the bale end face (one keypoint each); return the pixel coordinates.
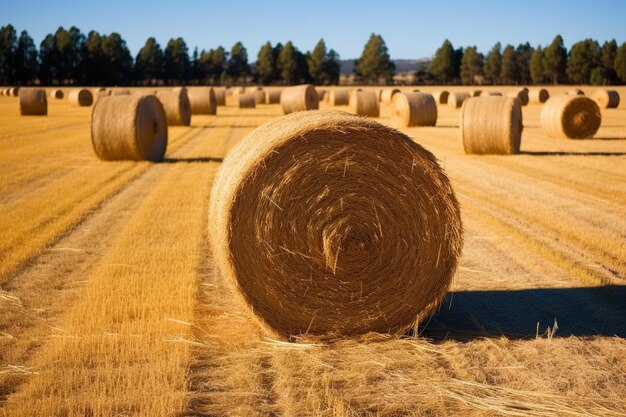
(33, 102)
(571, 116)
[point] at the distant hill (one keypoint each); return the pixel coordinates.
(402, 65)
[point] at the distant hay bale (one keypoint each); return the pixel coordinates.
(220, 96)
(570, 116)
(441, 97)
(414, 109)
(272, 97)
(330, 223)
(236, 91)
(33, 102)
(456, 99)
(129, 127)
(202, 100)
(259, 97)
(247, 101)
(15, 91)
(606, 99)
(415, 90)
(176, 106)
(575, 92)
(489, 93)
(475, 93)
(119, 92)
(538, 95)
(80, 97)
(321, 94)
(56, 93)
(491, 125)
(338, 97)
(299, 98)
(387, 94)
(522, 95)
(365, 103)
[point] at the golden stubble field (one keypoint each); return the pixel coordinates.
(110, 303)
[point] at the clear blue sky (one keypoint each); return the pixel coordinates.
(412, 29)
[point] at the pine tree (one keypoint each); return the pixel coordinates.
(524, 54)
(375, 64)
(149, 62)
(26, 60)
(509, 71)
(442, 65)
(620, 62)
(8, 45)
(93, 59)
(288, 63)
(317, 63)
(583, 58)
(69, 45)
(471, 65)
(537, 70)
(119, 62)
(47, 57)
(333, 67)
(176, 63)
(555, 60)
(265, 68)
(493, 64)
(609, 50)
(238, 67)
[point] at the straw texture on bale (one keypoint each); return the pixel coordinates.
(414, 109)
(247, 101)
(273, 97)
(538, 95)
(441, 97)
(329, 223)
(259, 97)
(56, 93)
(80, 97)
(387, 94)
(202, 100)
(338, 97)
(456, 99)
(176, 106)
(489, 93)
(33, 102)
(522, 95)
(575, 92)
(220, 96)
(570, 116)
(606, 99)
(299, 98)
(491, 125)
(132, 127)
(365, 103)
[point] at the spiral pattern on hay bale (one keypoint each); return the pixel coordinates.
(491, 125)
(456, 99)
(606, 99)
(365, 103)
(272, 97)
(339, 97)
(220, 96)
(414, 109)
(247, 101)
(327, 222)
(56, 93)
(80, 97)
(259, 97)
(387, 94)
(131, 127)
(570, 116)
(33, 102)
(441, 97)
(202, 100)
(299, 98)
(521, 95)
(176, 106)
(538, 95)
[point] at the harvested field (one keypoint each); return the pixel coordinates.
(111, 304)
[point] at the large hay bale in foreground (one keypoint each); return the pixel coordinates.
(414, 109)
(365, 103)
(33, 102)
(132, 127)
(387, 94)
(220, 96)
(491, 125)
(259, 97)
(456, 99)
(441, 97)
(247, 101)
(202, 100)
(299, 98)
(538, 95)
(606, 99)
(521, 95)
(332, 223)
(176, 106)
(339, 97)
(80, 97)
(272, 97)
(570, 116)
(56, 93)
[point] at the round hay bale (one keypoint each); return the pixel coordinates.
(80, 97)
(220, 96)
(365, 103)
(339, 97)
(119, 92)
(176, 106)
(415, 90)
(489, 93)
(202, 100)
(606, 99)
(247, 101)
(132, 127)
(491, 125)
(321, 94)
(236, 91)
(56, 93)
(259, 97)
(387, 94)
(570, 116)
(299, 98)
(329, 223)
(441, 97)
(15, 91)
(456, 99)
(272, 97)
(414, 109)
(33, 102)
(475, 93)
(575, 92)
(538, 95)
(522, 95)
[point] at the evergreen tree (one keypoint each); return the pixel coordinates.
(238, 67)
(583, 58)
(68, 62)
(555, 60)
(26, 62)
(524, 54)
(598, 76)
(288, 64)
(537, 70)
(119, 62)
(609, 50)
(620, 62)
(375, 64)
(442, 65)
(333, 67)
(176, 64)
(317, 63)
(8, 45)
(493, 64)
(47, 59)
(509, 73)
(265, 68)
(471, 65)
(94, 63)
(149, 62)
(456, 64)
